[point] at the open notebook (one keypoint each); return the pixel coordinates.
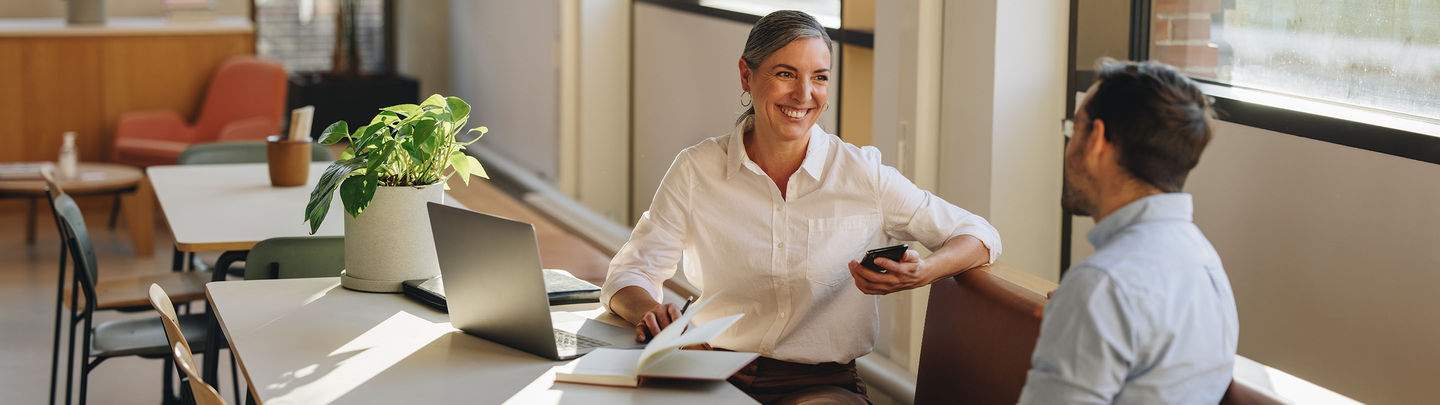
(662, 358)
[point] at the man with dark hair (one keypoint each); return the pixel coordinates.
(1150, 317)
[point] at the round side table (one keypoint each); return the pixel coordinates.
(126, 182)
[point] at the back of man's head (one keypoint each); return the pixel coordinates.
(1158, 120)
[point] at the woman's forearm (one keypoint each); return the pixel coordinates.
(632, 303)
(958, 254)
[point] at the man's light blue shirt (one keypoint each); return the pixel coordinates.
(1148, 319)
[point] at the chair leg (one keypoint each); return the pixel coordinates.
(234, 377)
(187, 397)
(198, 264)
(115, 212)
(30, 222)
(212, 347)
(86, 366)
(59, 309)
(177, 260)
(70, 363)
(167, 392)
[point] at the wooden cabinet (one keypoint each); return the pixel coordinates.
(55, 78)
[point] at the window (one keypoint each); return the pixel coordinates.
(827, 12)
(1376, 54)
(301, 33)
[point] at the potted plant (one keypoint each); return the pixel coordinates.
(391, 168)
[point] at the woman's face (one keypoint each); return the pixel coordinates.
(790, 89)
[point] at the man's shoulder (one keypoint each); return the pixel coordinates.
(1088, 279)
(1153, 262)
(1150, 245)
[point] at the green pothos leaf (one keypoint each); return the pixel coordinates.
(379, 158)
(457, 107)
(385, 118)
(370, 135)
(481, 130)
(423, 129)
(324, 192)
(435, 100)
(475, 167)
(461, 165)
(403, 109)
(334, 132)
(357, 191)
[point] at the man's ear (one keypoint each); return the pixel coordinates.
(744, 75)
(1095, 144)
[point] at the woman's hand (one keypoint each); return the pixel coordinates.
(636, 306)
(655, 319)
(900, 276)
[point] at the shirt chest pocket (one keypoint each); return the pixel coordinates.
(834, 242)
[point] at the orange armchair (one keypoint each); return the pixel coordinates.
(245, 100)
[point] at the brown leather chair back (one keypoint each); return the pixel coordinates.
(980, 330)
(1240, 393)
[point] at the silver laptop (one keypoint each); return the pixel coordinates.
(495, 290)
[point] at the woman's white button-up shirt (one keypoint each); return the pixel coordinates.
(783, 261)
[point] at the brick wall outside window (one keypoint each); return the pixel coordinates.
(1376, 54)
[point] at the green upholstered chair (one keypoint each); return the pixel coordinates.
(297, 257)
(240, 152)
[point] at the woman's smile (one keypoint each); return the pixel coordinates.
(795, 114)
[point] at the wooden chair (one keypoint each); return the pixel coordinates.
(204, 394)
(175, 335)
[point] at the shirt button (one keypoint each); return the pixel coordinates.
(779, 283)
(782, 314)
(781, 245)
(779, 207)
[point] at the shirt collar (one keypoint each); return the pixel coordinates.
(814, 153)
(1159, 207)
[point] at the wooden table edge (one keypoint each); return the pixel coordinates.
(214, 247)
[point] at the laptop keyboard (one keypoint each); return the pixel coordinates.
(567, 340)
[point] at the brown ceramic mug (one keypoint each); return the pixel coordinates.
(289, 161)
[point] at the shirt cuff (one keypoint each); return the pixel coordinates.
(987, 237)
(620, 280)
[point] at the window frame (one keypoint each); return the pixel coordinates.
(842, 35)
(1342, 124)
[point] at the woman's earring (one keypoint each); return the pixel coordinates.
(745, 100)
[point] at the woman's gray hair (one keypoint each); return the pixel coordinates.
(773, 32)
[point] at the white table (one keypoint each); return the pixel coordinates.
(231, 207)
(310, 341)
(214, 208)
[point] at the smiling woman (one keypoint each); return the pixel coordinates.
(775, 214)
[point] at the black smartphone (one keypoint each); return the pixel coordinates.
(896, 253)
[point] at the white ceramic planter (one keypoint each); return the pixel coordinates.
(391, 241)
